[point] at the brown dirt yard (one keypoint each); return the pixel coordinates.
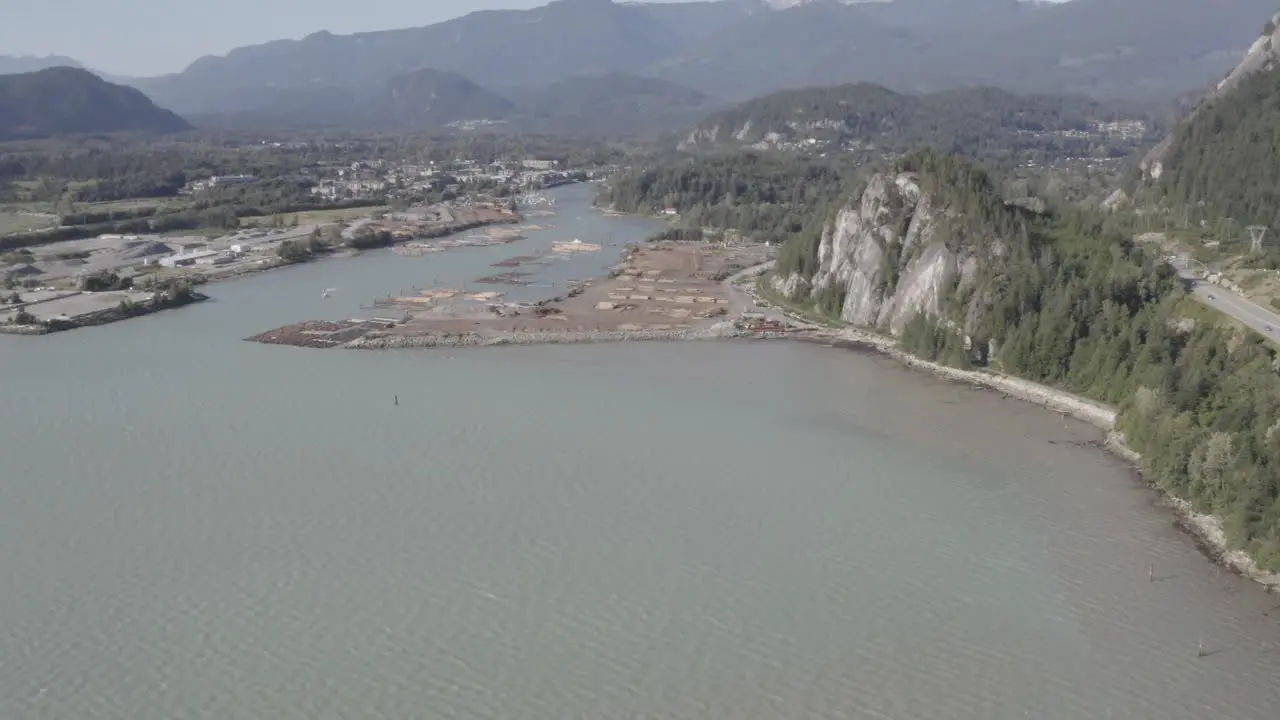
(660, 286)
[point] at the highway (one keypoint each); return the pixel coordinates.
(1246, 311)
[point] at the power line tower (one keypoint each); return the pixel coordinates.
(1257, 233)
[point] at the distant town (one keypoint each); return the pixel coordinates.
(358, 204)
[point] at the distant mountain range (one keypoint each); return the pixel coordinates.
(731, 50)
(616, 103)
(433, 97)
(736, 49)
(13, 64)
(68, 100)
(613, 104)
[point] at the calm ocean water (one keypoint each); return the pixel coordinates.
(198, 527)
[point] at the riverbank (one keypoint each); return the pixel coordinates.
(133, 305)
(68, 309)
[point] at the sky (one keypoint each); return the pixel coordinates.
(153, 37)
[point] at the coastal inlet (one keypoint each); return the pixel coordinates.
(660, 291)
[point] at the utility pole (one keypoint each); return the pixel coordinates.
(1257, 233)
(1226, 227)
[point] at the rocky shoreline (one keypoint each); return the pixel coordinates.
(1205, 529)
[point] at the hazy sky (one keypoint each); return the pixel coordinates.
(151, 37)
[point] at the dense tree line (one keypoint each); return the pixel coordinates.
(1226, 156)
(765, 197)
(98, 169)
(987, 123)
(68, 173)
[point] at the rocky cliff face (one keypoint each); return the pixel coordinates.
(893, 252)
(1262, 56)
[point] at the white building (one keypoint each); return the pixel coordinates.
(215, 259)
(231, 180)
(187, 258)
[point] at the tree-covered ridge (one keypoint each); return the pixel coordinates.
(611, 104)
(64, 100)
(1227, 154)
(427, 97)
(979, 122)
(766, 198)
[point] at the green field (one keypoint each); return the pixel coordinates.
(313, 217)
(23, 222)
(133, 204)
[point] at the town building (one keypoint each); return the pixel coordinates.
(217, 180)
(185, 259)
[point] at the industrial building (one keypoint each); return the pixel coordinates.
(203, 257)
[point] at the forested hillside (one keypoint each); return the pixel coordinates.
(978, 122)
(431, 98)
(612, 104)
(1227, 154)
(765, 197)
(1063, 298)
(64, 100)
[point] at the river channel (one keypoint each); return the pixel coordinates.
(193, 526)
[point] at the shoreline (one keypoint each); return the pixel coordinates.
(264, 265)
(102, 317)
(781, 323)
(343, 251)
(1205, 530)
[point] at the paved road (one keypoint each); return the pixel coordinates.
(742, 298)
(1250, 313)
(742, 295)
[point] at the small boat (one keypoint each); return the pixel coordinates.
(328, 292)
